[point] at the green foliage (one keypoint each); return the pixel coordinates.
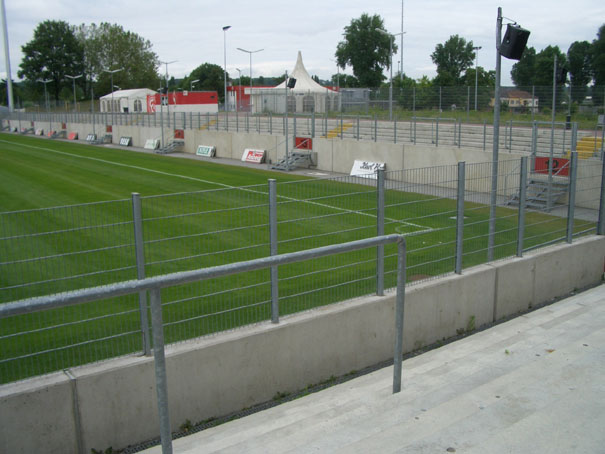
(210, 77)
(366, 50)
(109, 47)
(522, 72)
(53, 52)
(452, 59)
(597, 50)
(344, 81)
(580, 71)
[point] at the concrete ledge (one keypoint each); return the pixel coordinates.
(230, 371)
(37, 415)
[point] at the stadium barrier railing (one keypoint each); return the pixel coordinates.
(154, 286)
(444, 212)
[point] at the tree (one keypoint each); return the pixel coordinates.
(597, 50)
(522, 72)
(366, 50)
(53, 52)
(452, 59)
(344, 81)
(110, 47)
(580, 69)
(210, 77)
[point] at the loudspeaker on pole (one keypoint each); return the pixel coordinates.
(514, 42)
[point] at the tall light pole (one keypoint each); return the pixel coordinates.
(476, 49)
(225, 28)
(73, 78)
(191, 84)
(250, 52)
(167, 91)
(401, 50)
(9, 81)
(239, 90)
(112, 72)
(45, 81)
(391, 39)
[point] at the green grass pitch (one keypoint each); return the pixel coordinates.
(196, 229)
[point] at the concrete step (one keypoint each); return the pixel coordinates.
(531, 384)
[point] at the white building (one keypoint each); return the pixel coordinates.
(306, 96)
(126, 101)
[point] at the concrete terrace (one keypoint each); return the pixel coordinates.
(533, 384)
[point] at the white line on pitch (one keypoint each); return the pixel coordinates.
(361, 213)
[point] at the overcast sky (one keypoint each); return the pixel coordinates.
(191, 31)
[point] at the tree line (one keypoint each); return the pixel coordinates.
(59, 51)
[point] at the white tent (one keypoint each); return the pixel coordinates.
(124, 101)
(306, 96)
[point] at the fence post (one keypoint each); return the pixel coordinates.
(394, 131)
(294, 121)
(399, 311)
(572, 194)
(313, 124)
(459, 133)
(534, 144)
(574, 136)
(273, 250)
(375, 128)
(270, 123)
(522, 202)
(460, 216)
(601, 221)
(161, 383)
(510, 137)
(437, 130)
(414, 130)
(341, 125)
(380, 231)
(357, 127)
(139, 247)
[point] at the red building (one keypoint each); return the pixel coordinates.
(185, 101)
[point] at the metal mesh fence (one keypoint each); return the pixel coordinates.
(445, 213)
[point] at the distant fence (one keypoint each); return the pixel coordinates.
(530, 137)
(444, 213)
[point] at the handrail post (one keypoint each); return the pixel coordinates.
(399, 319)
(572, 195)
(380, 232)
(161, 383)
(460, 216)
(139, 247)
(522, 203)
(273, 251)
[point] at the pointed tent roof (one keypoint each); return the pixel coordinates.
(304, 82)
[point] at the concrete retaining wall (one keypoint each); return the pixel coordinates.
(114, 403)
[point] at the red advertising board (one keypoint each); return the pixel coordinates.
(303, 143)
(179, 133)
(255, 156)
(560, 166)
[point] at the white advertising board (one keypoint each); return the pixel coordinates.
(255, 156)
(206, 150)
(152, 144)
(366, 169)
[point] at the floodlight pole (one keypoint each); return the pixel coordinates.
(239, 90)
(73, 78)
(496, 139)
(9, 80)
(167, 91)
(225, 28)
(476, 73)
(45, 81)
(286, 99)
(250, 52)
(112, 72)
(391, 39)
(191, 84)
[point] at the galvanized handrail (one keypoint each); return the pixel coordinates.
(154, 284)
